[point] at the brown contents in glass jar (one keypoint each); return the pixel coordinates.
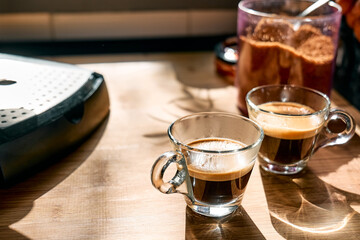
(277, 54)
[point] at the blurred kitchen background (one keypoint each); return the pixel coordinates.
(68, 27)
(42, 27)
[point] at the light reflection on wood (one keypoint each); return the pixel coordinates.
(305, 207)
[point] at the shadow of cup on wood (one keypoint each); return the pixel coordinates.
(237, 225)
(17, 201)
(305, 207)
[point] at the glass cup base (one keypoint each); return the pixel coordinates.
(288, 169)
(215, 211)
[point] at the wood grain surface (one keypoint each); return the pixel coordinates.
(103, 190)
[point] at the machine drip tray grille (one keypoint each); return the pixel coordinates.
(36, 92)
(38, 87)
(11, 116)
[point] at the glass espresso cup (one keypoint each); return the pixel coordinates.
(296, 121)
(214, 154)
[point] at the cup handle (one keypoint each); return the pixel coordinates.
(159, 168)
(328, 138)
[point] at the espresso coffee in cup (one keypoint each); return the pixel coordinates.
(214, 154)
(296, 122)
(289, 144)
(217, 181)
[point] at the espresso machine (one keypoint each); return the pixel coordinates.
(47, 108)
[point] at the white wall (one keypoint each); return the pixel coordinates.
(115, 25)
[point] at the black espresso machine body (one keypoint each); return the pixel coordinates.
(46, 109)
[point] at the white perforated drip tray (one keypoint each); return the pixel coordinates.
(36, 92)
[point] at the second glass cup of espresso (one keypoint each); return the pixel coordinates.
(295, 121)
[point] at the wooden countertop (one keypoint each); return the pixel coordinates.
(103, 190)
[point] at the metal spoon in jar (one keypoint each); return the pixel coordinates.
(312, 7)
(309, 10)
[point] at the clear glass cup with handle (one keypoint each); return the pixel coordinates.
(214, 154)
(297, 121)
